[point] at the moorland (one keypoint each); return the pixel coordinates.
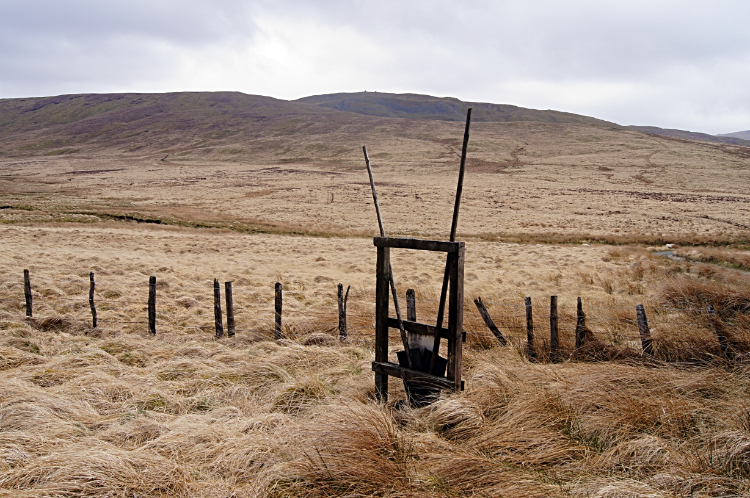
(254, 190)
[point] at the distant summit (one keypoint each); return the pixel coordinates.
(731, 138)
(414, 106)
(744, 135)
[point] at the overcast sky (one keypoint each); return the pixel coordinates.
(674, 64)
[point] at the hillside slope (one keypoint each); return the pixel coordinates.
(415, 106)
(732, 139)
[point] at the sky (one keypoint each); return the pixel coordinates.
(673, 64)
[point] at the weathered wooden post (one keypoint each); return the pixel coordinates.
(152, 305)
(277, 327)
(554, 344)
(580, 324)
(719, 330)
(27, 292)
(217, 310)
(383, 278)
(342, 310)
(91, 298)
(530, 351)
(411, 305)
(643, 330)
(230, 308)
(488, 321)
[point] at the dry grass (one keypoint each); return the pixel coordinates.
(113, 412)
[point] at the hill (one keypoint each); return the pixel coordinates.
(413, 106)
(732, 139)
(744, 135)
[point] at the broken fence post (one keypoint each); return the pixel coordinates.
(92, 285)
(643, 330)
(152, 305)
(580, 324)
(277, 325)
(411, 305)
(217, 310)
(27, 291)
(719, 330)
(342, 310)
(488, 321)
(530, 351)
(554, 344)
(230, 308)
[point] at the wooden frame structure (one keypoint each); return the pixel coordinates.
(383, 322)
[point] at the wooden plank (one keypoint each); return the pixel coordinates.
(455, 317)
(418, 328)
(386, 368)
(643, 330)
(418, 244)
(218, 321)
(488, 321)
(278, 304)
(27, 292)
(152, 305)
(230, 308)
(92, 285)
(530, 351)
(381, 319)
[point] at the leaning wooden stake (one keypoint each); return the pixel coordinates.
(554, 344)
(454, 226)
(719, 329)
(530, 351)
(342, 310)
(27, 291)
(404, 339)
(152, 305)
(218, 321)
(488, 321)
(643, 330)
(92, 285)
(230, 308)
(277, 325)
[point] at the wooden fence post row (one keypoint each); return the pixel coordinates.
(554, 345)
(530, 351)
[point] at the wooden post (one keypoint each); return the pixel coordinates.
(554, 345)
(91, 298)
(530, 351)
(27, 291)
(383, 276)
(580, 324)
(455, 317)
(230, 308)
(643, 330)
(342, 310)
(277, 327)
(152, 305)
(217, 310)
(488, 321)
(411, 305)
(719, 329)
(454, 226)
